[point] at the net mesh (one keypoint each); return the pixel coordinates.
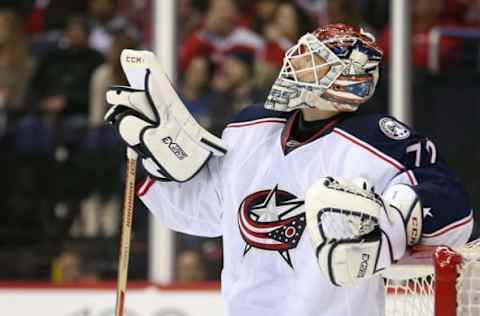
(468, 281)
(410, 285)
(410, 293)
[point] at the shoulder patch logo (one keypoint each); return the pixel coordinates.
(393, 129)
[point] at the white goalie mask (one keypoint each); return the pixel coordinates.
(335, 68)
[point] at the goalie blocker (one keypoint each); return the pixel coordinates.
(156, 124)
(358, 233)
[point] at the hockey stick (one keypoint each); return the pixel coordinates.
(124, 249)
(134, 79)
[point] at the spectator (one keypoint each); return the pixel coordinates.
(344, 11)
(212, 252)
(191, 13)
(471, 11)
(57, 12)
(195, 89)
(208, 249)
(34, 21)
(140, 13)
(463, 12)
(375, 14)
(427, 14)
(16, 65)
(317, 9)
(190, 267)
(259, 14)
(46, 22)
(68, 267)
(61, 82)
(107, 74)
(287, 23)
(104, 23)
(219, 34)
(99, 213)
(233, 87)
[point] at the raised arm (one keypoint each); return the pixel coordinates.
(193, 207)
(183, 188)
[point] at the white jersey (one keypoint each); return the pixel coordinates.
(253, 197)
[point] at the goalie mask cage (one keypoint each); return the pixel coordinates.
(435, 281)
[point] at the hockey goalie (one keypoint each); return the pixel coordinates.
(313, 199)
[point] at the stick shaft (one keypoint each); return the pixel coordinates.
(124, 250)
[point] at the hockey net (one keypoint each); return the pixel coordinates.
(435, 281)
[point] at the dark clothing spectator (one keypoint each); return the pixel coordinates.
(101, 35)
(195, 89)
(66, 72)
(104, 22)
(61, 82)
(233, 87)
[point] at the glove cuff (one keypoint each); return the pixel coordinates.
(393, 245)
(401, 223)
(405, 200)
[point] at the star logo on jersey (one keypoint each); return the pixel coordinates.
(271, 220)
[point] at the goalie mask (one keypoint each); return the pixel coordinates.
(335, 68)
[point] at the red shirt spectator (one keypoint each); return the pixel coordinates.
(219, 34)
(288, 23)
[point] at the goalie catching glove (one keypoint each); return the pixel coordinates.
(170, 143)
(357, 233)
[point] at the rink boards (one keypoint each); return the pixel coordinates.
(24, 299)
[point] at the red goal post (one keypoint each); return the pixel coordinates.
(435, 281)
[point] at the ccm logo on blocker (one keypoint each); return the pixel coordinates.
(134, 59)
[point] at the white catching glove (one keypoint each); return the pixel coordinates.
(357, 233)
(156, 124)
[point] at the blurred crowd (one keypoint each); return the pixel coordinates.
(62, 195)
